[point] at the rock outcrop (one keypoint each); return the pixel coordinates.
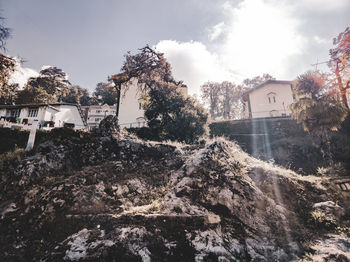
(92, 198)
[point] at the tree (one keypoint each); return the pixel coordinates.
(148, 67)
(170, 116)
(30, 95)
(255, 81)
(318, 111)
(211, 94)
(7, 66)
(105, 93)
(77, 95)
(340, 64)
(223, 99)
(52, 86)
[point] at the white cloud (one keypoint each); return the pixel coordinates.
(216, 31)
(258, 37)
(193, 63)
(21, 74)
(262, 37)
(324, 5)
(320, 40)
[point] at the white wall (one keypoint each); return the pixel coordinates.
(259, 103)
(129, 109)
(68, 114)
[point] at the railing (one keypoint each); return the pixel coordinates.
(134, 124)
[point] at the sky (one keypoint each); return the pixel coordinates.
(204, 40)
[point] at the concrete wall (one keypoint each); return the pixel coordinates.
(281, 97)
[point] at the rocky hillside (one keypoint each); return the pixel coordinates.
(93, 197)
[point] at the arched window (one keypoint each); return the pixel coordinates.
(273, 113)
(271, 97)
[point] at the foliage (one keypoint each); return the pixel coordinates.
(7, 91)
(52, 86)
(249, 83)
(211, 95)
(148, 67)
(225, 99)
(170, 116)
(340, 144)
(282, 139)
(318, 111)
(10, 160)
(77, 95)
(323, 220)
(105, 93)
(340, 66)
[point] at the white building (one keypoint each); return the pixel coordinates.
(95, 113)
(270, 99)
(131, 113)
(46, 115)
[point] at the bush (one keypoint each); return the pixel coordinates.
(10, 160)
(171, 116)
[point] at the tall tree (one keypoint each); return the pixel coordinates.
(51, 85)
(255, 81)
(77, 95)
(211, 95)
(106, 93)
(171, 116)
(7, 66)
(340, 64)
(318, 111)
(148, 67)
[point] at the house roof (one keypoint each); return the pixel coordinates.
(37, 105)
(245, 95)
(100, 106)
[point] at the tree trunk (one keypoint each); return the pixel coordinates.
(342, 89)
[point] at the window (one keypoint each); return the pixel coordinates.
(33, 112)
(97, 119)
(140, 106)
(98, 111)
(271, 97)
(15, 112)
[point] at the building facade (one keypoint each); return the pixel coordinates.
(46, 116)
(95, 113)
(270, 99)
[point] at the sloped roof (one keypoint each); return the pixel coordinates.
(245, 95)
(37, 105)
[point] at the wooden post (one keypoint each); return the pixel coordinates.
(32, 134)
